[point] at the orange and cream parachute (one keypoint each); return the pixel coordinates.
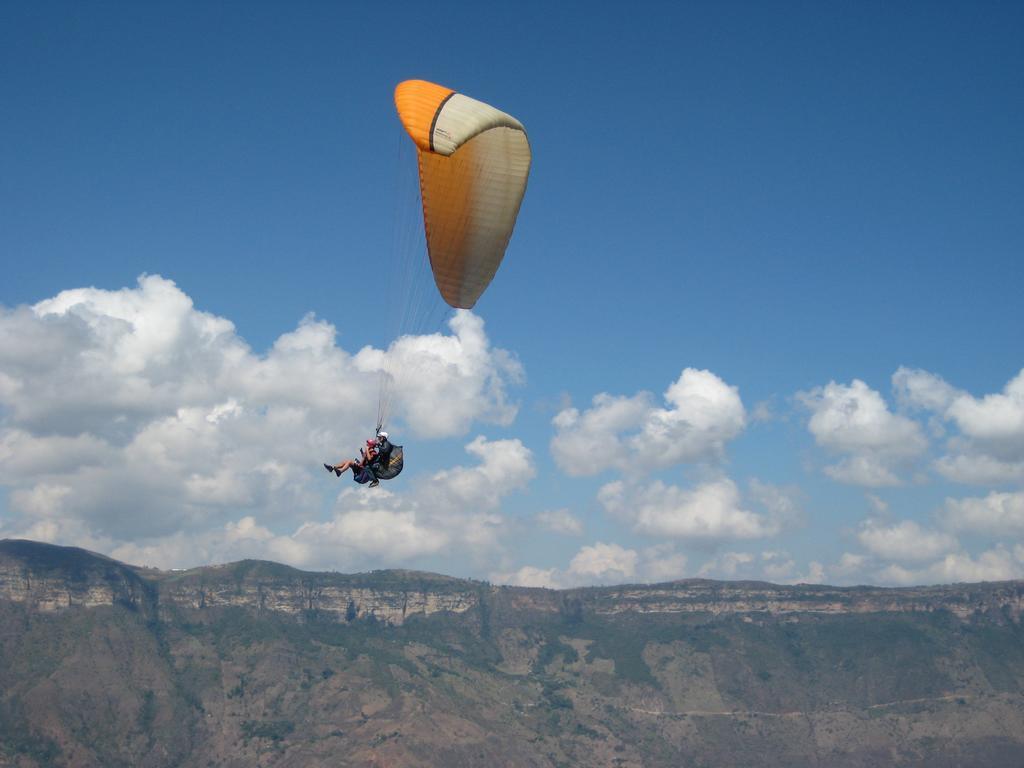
(474, 161)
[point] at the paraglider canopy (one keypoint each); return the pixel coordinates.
(474, 161)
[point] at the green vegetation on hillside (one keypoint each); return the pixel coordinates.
(522, 677)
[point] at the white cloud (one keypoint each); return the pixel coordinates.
(919, 389)
(711, 510)
(662, 563)
(854, 421)
(589, 443)
(973, 468)
(451, 512)
(131, 416)
(728, 565)
(762, 412)
(777, 566)
(877, 503)
(442, 384)
(703, 413)
(998, 564)
(505, 466)
(1000, 514)
(105, 362)
(815, 574)
(560, 521)
(235, 540)
(781, 504)
(904, 541)
(781, 568)
(376, 533)
(365, 530)
(852, 418)
(603, 563)
(995, 417)
(42, 500)
(990, 448)
(906, 553)
(529, 576)
(23, 454)
(850, 567)
(865, 470)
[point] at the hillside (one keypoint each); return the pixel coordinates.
(256, 663)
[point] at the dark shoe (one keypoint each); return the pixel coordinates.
(329, 468)
(337, 471)
(374, 483)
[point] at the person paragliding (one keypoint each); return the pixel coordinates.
(382, 450)
(474, 163)
(379, 460)
(389, 459)
(362, 468)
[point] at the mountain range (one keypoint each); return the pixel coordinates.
(259, 664)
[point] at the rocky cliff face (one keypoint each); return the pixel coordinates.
(717, 598)
(316, 593)
(258, 664)
(51, 578)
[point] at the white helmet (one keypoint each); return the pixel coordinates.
(383, 434)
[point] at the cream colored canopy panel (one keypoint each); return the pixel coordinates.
(460, 118)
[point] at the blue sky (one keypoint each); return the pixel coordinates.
(790, 199)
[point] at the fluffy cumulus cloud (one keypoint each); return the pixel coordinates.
(997, 514)
(662, 563)
(504, 466)
(998, 564)
(996, 418)
(130, 416)
(919, 389)
(849, 569)
(364, 530)
(701, 414)
(777, 566)
(877, 503)
(729, 565)
(713, 510)
(989, 445)
(945, 564)
(905, 552)
(905, 541)
(968, 463)
(771, 565)
(560, 521)
(603, 563)
(854, 422)
(531, 576)
(899, 552)
(441, 384)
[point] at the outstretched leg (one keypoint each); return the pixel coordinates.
(343, 467)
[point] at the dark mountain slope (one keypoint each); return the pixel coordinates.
(255, 663)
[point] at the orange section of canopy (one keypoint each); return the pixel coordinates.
(417, 102)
